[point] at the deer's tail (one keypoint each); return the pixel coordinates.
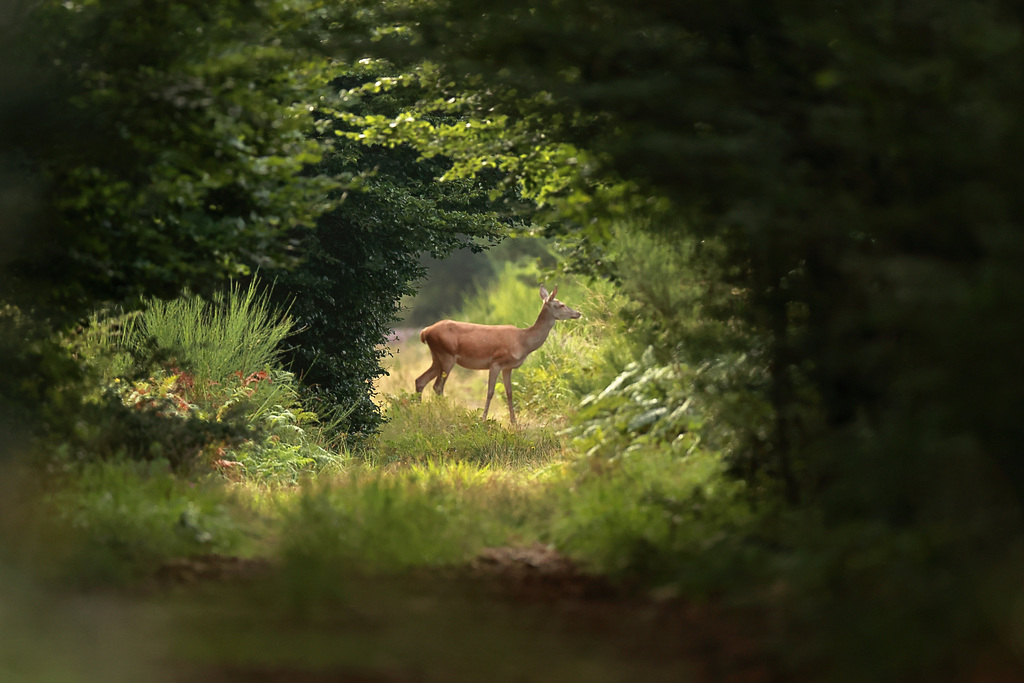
(423, 336)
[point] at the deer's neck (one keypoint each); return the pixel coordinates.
(535, 335)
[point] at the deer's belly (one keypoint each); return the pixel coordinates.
(486, 363)
(473, 363)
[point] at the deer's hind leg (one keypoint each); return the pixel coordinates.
(430, 374)
(444, 368)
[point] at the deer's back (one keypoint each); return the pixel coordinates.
(472, 340)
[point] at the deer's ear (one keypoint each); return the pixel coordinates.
(544, 293)
(554, 291)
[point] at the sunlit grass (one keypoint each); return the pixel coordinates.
(428, 514)
(442, 429)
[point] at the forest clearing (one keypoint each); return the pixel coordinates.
(768, 430)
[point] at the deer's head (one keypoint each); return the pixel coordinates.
(559, 310)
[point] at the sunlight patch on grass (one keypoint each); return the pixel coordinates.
(441, 429)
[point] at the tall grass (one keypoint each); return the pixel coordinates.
(202, 382)
(238, 333)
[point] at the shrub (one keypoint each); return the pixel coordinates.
(238, 333)
(654, 516)
(194, 380)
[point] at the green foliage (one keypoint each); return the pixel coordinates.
(214, 153)
(292, 443)
(364, 256)
(846, 181)
(237, 333)
(827, 267)
(646, 405)
(214, 393)
(680, 302)
(114, 521)
(165, 143)
(845, 242)
(41, 386)
(654, 515)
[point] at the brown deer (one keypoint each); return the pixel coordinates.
(496, 348)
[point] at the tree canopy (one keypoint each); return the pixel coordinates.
(167, 143)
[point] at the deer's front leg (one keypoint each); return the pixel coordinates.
(506, 379)
(492, 377)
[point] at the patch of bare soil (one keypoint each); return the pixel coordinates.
(186, 570)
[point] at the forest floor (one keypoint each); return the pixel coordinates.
(512, 614)
(515, 614)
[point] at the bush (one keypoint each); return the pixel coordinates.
(209, 389)
(238, 333)
(42, 385)
(654, 516)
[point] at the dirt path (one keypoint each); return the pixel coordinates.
(513, 614)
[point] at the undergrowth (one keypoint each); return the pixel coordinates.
(200, 384)
(115, 521)
(655, 517)
(626, 463)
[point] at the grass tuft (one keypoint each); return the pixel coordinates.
(237, 334)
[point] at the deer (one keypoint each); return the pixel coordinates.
(495, 348)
